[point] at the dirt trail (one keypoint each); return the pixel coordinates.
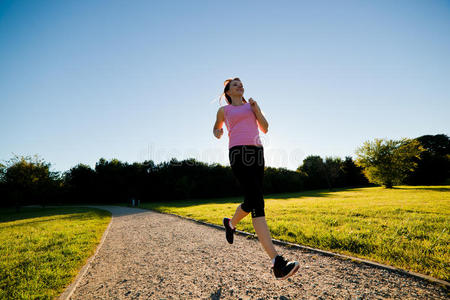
(148, 255)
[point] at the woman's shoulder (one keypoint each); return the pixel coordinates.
(222, 110)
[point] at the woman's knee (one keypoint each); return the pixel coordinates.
(258, 211)
(255, 206)
(245, 207)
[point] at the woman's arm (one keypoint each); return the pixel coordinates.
(217, 129)
(262, 122)
(260, 119)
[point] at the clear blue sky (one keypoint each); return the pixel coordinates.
(138, 80)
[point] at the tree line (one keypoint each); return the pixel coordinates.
(28, 180)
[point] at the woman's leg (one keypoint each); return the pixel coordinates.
(236, 163)
(250, 174)
(259, 218)
(238, 215)
(262, 231)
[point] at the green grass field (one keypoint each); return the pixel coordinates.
(406, 227)
(42, 250)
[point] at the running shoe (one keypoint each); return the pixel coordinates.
(229, 233)
(282, 269)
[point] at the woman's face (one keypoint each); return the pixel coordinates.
(236, 88)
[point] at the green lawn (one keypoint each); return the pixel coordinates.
(407, 226)
(42, 250)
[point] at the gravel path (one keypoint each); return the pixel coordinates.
(148, 255)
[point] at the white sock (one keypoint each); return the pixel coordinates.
(273, 261)
(229, 222)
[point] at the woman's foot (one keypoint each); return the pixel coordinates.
(229, 232)
(282, 269)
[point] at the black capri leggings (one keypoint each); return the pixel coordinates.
(247, 163)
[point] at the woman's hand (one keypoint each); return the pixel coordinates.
(254, 106)
(218, 132)
(260, 119)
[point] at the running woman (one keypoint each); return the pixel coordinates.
(246, 155)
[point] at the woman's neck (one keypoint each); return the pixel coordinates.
(236, 100)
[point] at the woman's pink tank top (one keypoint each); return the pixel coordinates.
(241, 125)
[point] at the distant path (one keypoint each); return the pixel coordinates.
(148, 255)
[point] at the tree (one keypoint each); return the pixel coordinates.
(282, 180)
(387, 162)
(434, 165)
(313, 167)
(333, 169)
(112, 182)
(353, 175)
(28, 180)
(80, 183)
